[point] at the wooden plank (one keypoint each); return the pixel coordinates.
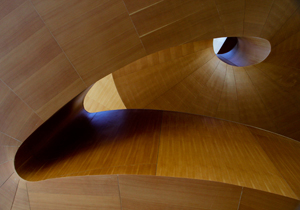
(103, 96)
(165, 13)
(8, 141)
(165, 192)
(256, 14)
(284, 153)
(94, 192)
(255, 199)
(251, 107)
(14, 114)
(209, 149)
(8, 191)
(21, 201)
(7, 169)
(136, 5)
(150, 83)
(56, 14)
(7, 153)
(232, 15)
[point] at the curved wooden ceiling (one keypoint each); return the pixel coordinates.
(52, 50)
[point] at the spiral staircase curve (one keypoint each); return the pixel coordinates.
(51, 51)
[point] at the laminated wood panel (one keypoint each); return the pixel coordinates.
(14, 113)
(148, 142)
(8, 141)
(103, 96)
(280, 12)
(7, 169)
(283, 152)
(93, 34)
(255, 199)
(290, 27)
(21, 201)
(206, 148)
(256, 14)
(228, 104)
(7, 153)
(111, 145)
(155, 81)
(232, 16)
(138, 192)
(134, 6)
(8, 192)
(193, 94)
(94, 192)
(252, 110)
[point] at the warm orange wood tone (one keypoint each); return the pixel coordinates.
(116, 142)
(149, 192)
(209, 149)
(94, 192)
(169, 144)
(195, 81)
(103, 96)
(52, 50)
(159, 192)
(254, 199)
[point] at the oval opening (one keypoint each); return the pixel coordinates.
(241, 51)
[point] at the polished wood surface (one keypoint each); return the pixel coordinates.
(149, 192)
(159, 192)
(38, 77)
(94, 192)
(195, 81)
(169, 144)
(103, 96)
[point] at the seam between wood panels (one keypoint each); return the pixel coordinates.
(175, 21)
(134, 27)
(237, 97)
(103, 168)
(58, 43)
(7, 179)
(282, 40)
(159, 140)
(98, 26)
(145, 8)
(261, 99)
(119, 192)
(111, 60)
(61, 4)
(223, 25)
(284, 89)
(257, 141)
(28, 196)
(179, 81)
(267, 17)
(10, 136)
(22, 101)
(225, 78)
(244, 17)
(15, 194)
(240, 198)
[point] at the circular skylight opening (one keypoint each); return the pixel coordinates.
(241, 51)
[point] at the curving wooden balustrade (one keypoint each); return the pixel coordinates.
(116, 144)
(53, 50)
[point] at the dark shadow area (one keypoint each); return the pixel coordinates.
(72, 133)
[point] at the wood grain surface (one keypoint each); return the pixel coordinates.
(50, 51)
(168, 144)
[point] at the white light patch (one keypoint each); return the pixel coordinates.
(218, 43)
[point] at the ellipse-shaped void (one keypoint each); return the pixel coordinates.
(242, 51)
